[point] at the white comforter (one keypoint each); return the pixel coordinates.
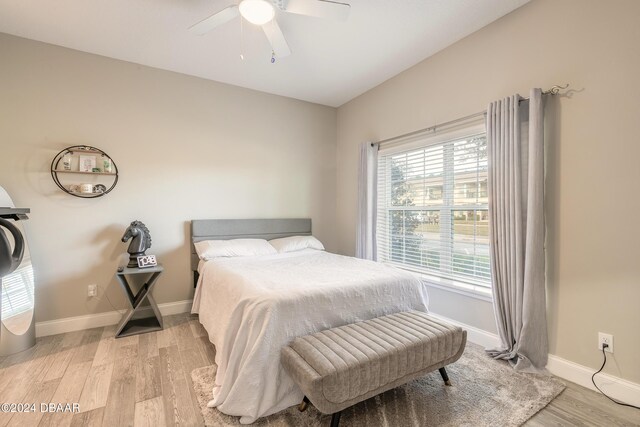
(253, 306)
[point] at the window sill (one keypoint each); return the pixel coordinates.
(454, 286)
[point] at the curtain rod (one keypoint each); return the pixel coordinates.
(554, 90)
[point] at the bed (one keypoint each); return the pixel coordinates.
(252, 306)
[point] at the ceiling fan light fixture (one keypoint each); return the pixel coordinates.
(258, 12)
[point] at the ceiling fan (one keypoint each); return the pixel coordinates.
(262, 13)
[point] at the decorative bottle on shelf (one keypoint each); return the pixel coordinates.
(107, 165)
(66, 162)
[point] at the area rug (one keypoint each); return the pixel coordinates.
(485, 392)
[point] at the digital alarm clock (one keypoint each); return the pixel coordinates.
(147, 261)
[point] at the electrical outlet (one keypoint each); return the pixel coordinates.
(605, 339)
(92, 290)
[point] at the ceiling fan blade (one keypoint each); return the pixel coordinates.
(276, 38)
(219, 18)
(320, 9)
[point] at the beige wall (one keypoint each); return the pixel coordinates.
(592, 157)
(186, 148)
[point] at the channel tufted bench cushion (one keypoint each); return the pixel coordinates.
(340, 367)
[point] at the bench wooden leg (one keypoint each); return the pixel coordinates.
(304, 404)
(335, 419)
(445, 377)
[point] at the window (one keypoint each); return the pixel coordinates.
(433, 209)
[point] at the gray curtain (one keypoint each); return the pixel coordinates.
(367, 202)
(517, 231)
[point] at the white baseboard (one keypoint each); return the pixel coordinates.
(474, 335)
(77, 323)
(618, 388)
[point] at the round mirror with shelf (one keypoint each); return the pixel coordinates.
(72, 167)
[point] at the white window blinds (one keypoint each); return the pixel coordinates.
(433, 209)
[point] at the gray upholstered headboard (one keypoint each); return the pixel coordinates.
(224, 229)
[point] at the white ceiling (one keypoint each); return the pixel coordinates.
(331, 63)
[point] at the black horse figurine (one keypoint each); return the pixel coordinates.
(141, 241)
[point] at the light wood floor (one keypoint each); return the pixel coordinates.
(145, 380)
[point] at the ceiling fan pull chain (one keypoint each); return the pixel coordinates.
(273, 57)
(241, 41)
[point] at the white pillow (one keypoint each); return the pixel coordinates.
(210, 249)
(296, 243)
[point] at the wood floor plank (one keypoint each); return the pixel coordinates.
(91, 418)
(38, 392)
(68, 391)
(197, 329)
(584, 413)
(23, 377)
(127, 347)
(72, 339)
(168, 392)
(51, 419)
(130, 340)
(590, 401)
(165, 336)
(567, 419)
(148, 382)
(182, 332)
(96, 388)
(547, 419)
(11, 374)
(59, 363)
(24, 356)
(86, 350)
(176, 396)
(50, 360)
(150, 413)
(120, 407)
(192, 358)
(13, 366)
(148, 345)
(579, 406)
(106, 351)
(72, 383)
(187, 416)
(207, 349)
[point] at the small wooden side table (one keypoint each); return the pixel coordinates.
(128, 325)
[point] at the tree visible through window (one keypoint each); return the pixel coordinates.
(433, 210)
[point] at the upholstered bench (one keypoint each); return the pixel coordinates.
(340, 367)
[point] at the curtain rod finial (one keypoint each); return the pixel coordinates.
(557, 88)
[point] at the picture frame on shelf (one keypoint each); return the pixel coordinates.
(87, 163)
